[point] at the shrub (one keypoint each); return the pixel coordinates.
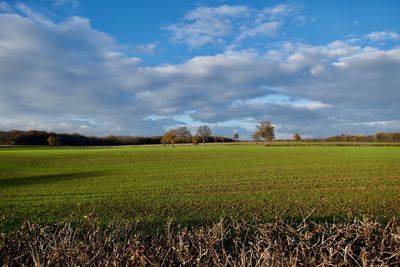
(231, 243)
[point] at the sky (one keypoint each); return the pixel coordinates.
(319, 68)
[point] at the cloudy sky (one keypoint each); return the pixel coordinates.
(319, 68)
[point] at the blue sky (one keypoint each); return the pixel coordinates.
(141, 67)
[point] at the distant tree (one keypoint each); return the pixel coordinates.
(256, 137)
(163, 140)
(169, 137)
(196, 140)
(380, 137)
(183, 134)
(203, 132)
(297, 137)
(53, 140)
(236, 136)
(264, 130)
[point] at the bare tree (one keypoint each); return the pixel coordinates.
(183, 135)
(256, 137)
(264, 130)
(203, 132)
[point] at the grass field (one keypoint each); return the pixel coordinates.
(198, 184)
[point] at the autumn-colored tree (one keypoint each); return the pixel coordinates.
(264, 130)
(53, 140)
(169, 138)
(297, 137)
(203, 132)
(196, 140)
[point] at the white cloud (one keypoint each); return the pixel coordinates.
(201, 32)
(206, 25)
(266, 29)
(230, 24)
(147, 49)
(311, 105)
(277, 12)
(281, 100)
(383, 36)
(224, 11)
(27, 11)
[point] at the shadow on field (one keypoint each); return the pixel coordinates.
(48, 178)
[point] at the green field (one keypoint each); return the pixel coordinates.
(196, 184)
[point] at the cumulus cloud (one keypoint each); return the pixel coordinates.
(383, 36)
(353, 84)
(220, 11)
(266, 29)
(66, 76)
(277, 12)
(206, 25)
(230, 24)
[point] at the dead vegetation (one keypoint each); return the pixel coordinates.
(88, 243)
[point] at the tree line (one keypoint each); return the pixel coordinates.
(33, 137)
(264, 132)
(43, 138)
(378, 137)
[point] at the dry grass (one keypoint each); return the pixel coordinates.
(358, 243)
